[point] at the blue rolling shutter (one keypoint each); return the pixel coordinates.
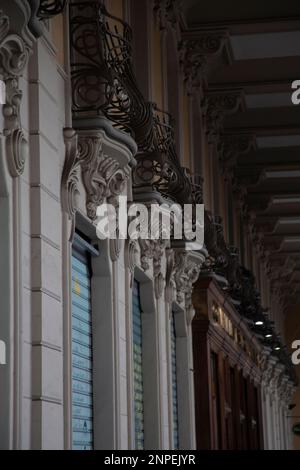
(82, 356)
(174, 384)
(137, 364)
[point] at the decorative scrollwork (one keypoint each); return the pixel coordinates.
(103, 84)
(49, 8)
(159, 167)
(198, 50)
(216, 106)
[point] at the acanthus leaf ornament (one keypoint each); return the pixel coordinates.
(14, 53)
(198, 51)
(102, 175)
(186, 272)
(152, 250)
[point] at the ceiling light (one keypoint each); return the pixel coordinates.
(259, 323)
(277, 348)
(268, 336)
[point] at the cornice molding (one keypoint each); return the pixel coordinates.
(168, 12)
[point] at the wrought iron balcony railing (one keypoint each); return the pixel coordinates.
(103, 84)
(158, 166)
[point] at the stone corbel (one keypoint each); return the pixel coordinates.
(153, 250)
(131, 254)
(187, 266)
(198, 50)
(217, 104)
(230, 147)
(70, 176)
(168, 12)
(268, 372)
(14, 54)
(170, 283)
(103, 177)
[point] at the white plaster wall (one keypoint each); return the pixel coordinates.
(47, 119)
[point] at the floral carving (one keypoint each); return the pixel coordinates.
(102, 175)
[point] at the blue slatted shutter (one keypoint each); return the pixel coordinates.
(82, 352)
(174, 384)
(138, 366)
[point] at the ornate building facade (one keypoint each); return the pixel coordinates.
(147, 344)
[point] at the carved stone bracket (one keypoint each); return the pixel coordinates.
(103, 177)
(186, 269)
(217, 105)
(17, 36)
(131, 252)
(230, 147)
(168, 12)
(198, 50)
(14, 53)
(70, 176)
(152, 250)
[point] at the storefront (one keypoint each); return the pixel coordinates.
(227, 373)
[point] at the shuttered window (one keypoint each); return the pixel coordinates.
(82, 355)
(138, 366)
(174, 384)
